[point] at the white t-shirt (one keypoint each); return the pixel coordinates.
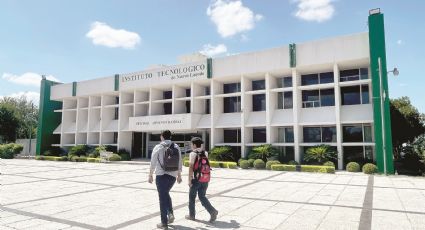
(194, 154)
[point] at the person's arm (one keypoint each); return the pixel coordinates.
(154, 162)
(179, 171)
(191, 162)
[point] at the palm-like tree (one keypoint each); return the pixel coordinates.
(320, 154)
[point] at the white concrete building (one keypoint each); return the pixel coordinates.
(292, 97)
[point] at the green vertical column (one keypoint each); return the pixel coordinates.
(209, 68)
(292, 55)
(117, 82)
(382, 119)
(48, 119)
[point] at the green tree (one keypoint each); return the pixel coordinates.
(406, 123)
(27, 114)
(320, 154)
(9, 123)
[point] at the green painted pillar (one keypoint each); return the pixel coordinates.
(48, 119)
(381, 117)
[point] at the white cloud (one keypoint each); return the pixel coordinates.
(232, 17)
(314, 10)
(103, 34)
(400, 42)
(30, 95)
(29, 78)
(210, 50)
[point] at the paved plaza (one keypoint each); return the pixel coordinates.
(67, 195)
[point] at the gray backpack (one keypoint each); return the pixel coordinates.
(171, 158)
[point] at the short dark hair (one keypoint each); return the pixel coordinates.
(197, 141)
(166, 134)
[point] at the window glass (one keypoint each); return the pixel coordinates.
(327, 97)
(349, 75)
(232, 104)
(187, 106)
(232, 135)
(364, 73)
(207, 106)
(365, 94)
(329, 134)
(259, 135)
(232, 88)
(258, 85)
(310, 98)
(280, 100)
(207, 90)
(309, 79)
(326, 77)
(352, 133)
(311, 134)
(259, 102)
(281, 135)
(167, 94)
(188, 92)
(353, 153)
(289, 135)
(367, 133)
(368, 154)
(287, 82)
(286, 153)
(287, 100)
(350, 95)
(167, 108)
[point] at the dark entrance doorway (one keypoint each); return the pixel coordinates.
(139, 145)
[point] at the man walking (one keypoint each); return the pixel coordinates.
(166, 162)
(199, 176)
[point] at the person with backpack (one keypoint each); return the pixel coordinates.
(199, 176)
(166, 163)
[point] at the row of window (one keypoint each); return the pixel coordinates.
(313, 134)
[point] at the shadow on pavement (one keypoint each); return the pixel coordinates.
(217, 224)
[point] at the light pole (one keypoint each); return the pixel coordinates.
(382, 96)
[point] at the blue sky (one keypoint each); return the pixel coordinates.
(78, 40)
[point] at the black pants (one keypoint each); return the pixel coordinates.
(164, 183)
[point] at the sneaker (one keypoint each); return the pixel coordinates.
(214, 215)
(189, 217)
(171, 218)
(162, 226)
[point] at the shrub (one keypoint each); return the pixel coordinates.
(186, 163)
(259, 164)
(251, 162)
(244, 164)
(82, 159)
(270, 163)
(93, 160)
(232, 165)
(124, 154)
(317, 168)
(329, 163)
(221, 153)
(95, 152)
(114, 157)
(51, 158)
(185, 158)
(369, 168)
(282, 167)
(74, 158)
(353, 167)
(214, 164)
(292, 162)
(320, 154)
(8, 151)
(78, 150)
(263, 152)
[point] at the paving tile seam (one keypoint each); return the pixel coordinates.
(54, 166)
(401, 188)
(366, 214)
(51, 219)
(312, 182)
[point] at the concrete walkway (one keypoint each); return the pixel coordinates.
(66, 195)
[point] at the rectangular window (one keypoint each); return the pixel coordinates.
(352, 133)
(310, 98)
(259, 135)
(167, 94)
(367, 133)
(187, 106)
(116, 113)
(115, 140)
(232, 135)
(207, 90)
(117, 100)
(232, 104)
(327, 97)
(364, 73)
(329, 134)
(360, 154)
(349, 75)
(312, 134)
(287, 82)
(287, 100)
(259, 102)
(232, 87)
(258, 85)
(350, 95)
(167, 108)
(365, 94)
(309, 79)
(188, 92)
(285, 135)
(326, 77)
(207, 106)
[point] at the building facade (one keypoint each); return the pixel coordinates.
(293, 97)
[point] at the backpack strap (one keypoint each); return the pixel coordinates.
(165, 150)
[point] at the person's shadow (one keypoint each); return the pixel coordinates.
(216, 224)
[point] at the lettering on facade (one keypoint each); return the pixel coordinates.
(168, 122)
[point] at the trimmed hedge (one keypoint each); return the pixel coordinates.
(329, 163)
(218, 164)
(114, 157)
(51, 158)
(304, 168)
(369, 168)
(186, 163)
(244, 164)
(232, 165)
(251, 162)
(259, 164)
(282, 167)
(8, 151)
(353, 167)
(270, 163)
(93, 160)
(292, 162)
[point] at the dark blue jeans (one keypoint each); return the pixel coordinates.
(164, 183)
(201, 190)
